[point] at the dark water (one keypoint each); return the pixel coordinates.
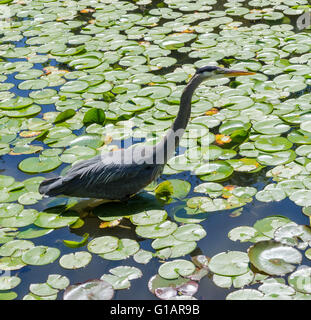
(217, 225)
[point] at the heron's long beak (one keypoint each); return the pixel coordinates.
(235, 73)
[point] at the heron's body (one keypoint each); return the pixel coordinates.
(108, 176)
(119, 174)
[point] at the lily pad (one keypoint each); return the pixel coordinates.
(75, 260)
(90, 290)
(37, 165)
(176, 268)
(153, 231)
(300, 280)
(52, 220)
(149, 217)
(57, 281)
(233, 263)
(126, 248)
(274, 258)
(40, 255)
(103, 244)
(9, 282)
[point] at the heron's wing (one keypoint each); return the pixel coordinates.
(97, 172)
(103, 174)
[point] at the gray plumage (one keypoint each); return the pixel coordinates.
(108, 176)
(119, 174)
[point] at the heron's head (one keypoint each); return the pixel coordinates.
(213, 72)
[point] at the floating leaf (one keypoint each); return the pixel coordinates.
(42, 289)
(94, 115)
(233, 263)
(162, 229)
(52, 220)
(176, 268)
(103, 244)
(57, 281)
(149, 217)
(274, 258)
(75, 260)
(90, 290)
(40, 255)
(77, 244)
(9, 282)
(300, 280)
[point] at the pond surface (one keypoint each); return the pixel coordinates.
(113, 72)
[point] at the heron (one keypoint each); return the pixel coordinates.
(118, 175)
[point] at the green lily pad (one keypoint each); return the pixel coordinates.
(40, 255)
(271, 126)
(268, 225)
(75, 260)
(158, 230)
(11, 263)
(273, 144)
(244, 234)
(52, 220)
(74, 86)
(276, 158)
(9, 282)
(245, 294)
(8, 295)
(300, 280)
(274, 258)
(15, 248)
(189, 232)
(94, 115)
(214, 171)
(57, 281)
(149, 217)
(103, 244)
(90, 290)
(232, 263)
(10, 209)
(21, 219)
(301, 197)
(16, 103)
(37, 165)
(29, 198)
(142, 256)
(31, 233)
(42, 289)
(176, 268)
(126, 248)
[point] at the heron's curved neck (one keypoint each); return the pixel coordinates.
(165, 149)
